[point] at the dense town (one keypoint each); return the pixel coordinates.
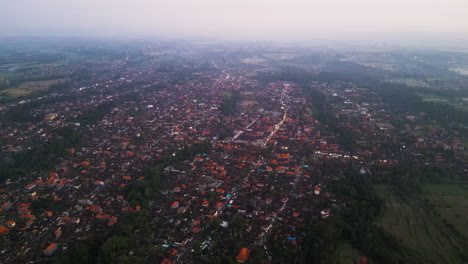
(223, 163)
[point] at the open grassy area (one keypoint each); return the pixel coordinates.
(425, 234)
(247, 103)
(451, 201)
(385, 125)
(455, 102)
(280, 56)
(433, 98)
(5, 75)
(347, 254)
(410, 82)
(29, 87)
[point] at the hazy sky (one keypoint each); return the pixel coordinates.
(234, 19)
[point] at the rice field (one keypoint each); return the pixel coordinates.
(29, 87)
(422, 231)
(451, 202)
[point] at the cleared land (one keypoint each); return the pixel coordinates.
(385, 125)
(253, 60)
(463, 71)
(427, 237)
(248, 103)
(411, 82)
(29, 87)
(280, 56)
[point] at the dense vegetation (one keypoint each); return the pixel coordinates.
(400, 96)
(125, 236)
(41, 157)
(94, 115)
(321, 111)
(354, 224)
(357, 222)
(406, 99)
(229, 105)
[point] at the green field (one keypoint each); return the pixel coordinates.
(451, 202)
(433, 98)
(29, 87)
(347, 254)
(423, 232)
(455, 102)
(5, 75)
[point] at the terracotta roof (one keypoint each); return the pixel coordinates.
(243, 255)
(51, 247)
(3, 230)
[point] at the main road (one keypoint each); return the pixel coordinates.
(280, 123)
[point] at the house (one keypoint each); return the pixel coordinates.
(103, 217)
(243, 255)
(50, 116)
(24, 211)
(48, 213)
(51, 249)
(10, 224)
(166, 261)
(363, 171)
(317, 190)
(6, 206)
(58, 233)
(325, 213)
(112, 221)
(3, 230)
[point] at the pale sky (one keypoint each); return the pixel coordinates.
(233, 19)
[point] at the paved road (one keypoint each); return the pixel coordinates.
(280, 123)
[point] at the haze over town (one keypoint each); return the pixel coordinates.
(234, 131)
(433, 22)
